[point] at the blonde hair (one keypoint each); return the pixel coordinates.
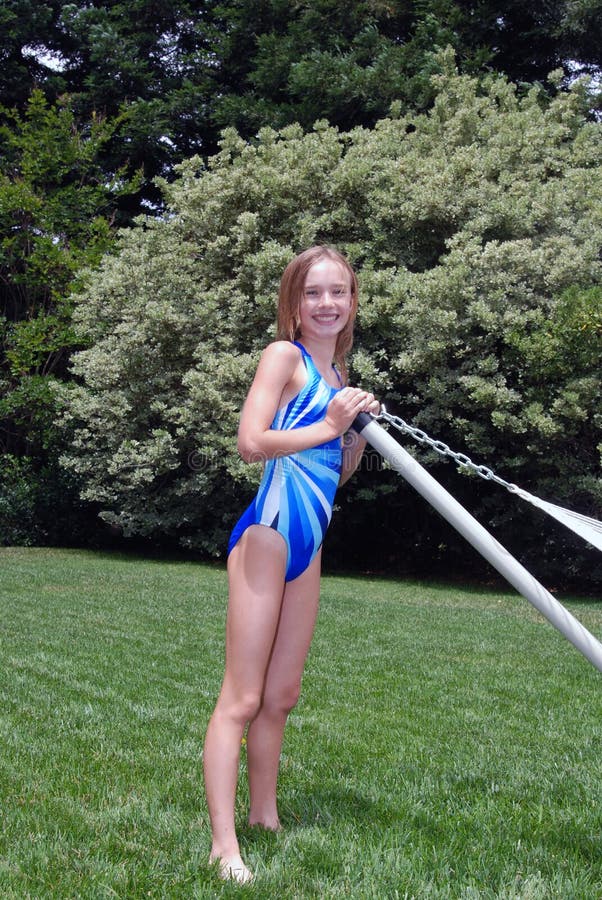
(291, 294)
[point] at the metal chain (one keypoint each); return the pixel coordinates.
(439, 447)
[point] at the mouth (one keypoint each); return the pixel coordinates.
(327, 318)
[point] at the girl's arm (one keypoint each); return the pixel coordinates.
(279, 370)
(354, 445)
(353, 450)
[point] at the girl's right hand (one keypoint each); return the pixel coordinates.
(346, 405)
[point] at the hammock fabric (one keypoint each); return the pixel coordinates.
(586, 527)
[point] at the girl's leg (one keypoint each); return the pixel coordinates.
(281, 692)
(256, 568)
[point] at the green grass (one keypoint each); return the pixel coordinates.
(448, 742)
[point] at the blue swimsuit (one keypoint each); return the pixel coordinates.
(296, 493)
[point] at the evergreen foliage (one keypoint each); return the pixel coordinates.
(56, 205)
(176, 72)
(476, 231)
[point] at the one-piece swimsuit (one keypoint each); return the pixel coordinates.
(296, 492)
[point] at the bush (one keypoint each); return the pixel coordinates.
(475, 229)
(39, 506)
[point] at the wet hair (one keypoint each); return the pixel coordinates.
(291, 294)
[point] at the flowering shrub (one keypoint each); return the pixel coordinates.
(475, 230)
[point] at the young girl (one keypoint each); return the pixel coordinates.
(295, 414)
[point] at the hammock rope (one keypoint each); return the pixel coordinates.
(587, 528)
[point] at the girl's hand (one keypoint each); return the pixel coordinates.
(346, 405)
(373, 406)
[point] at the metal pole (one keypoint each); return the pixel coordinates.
(479, 537)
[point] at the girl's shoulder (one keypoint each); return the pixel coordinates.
(281, 352)
(278, 363)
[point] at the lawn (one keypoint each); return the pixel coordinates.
(448, 742)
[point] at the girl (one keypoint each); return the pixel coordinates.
(295, 414)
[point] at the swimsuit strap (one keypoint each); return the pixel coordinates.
(307, 356)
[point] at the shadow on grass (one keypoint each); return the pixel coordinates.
(326, 806)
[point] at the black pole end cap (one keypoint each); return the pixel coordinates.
(360, 422)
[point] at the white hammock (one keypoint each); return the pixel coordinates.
(587, 528)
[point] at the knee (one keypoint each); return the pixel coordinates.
(282, 700)
(242, 708)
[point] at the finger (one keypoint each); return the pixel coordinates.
(365, 399)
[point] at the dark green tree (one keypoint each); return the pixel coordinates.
(27, 29)
(348, 62)
(179, 71)
(147, 65)
(56, 208)
(526, 41)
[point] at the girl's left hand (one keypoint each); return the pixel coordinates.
(372, 405)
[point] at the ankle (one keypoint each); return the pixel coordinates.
(224, 851)
(270, 823)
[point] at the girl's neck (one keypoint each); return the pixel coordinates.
(322, 352)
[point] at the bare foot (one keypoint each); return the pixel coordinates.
(232, 869)
(268, 824)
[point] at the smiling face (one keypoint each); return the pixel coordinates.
(306, 272)
(326, 302)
